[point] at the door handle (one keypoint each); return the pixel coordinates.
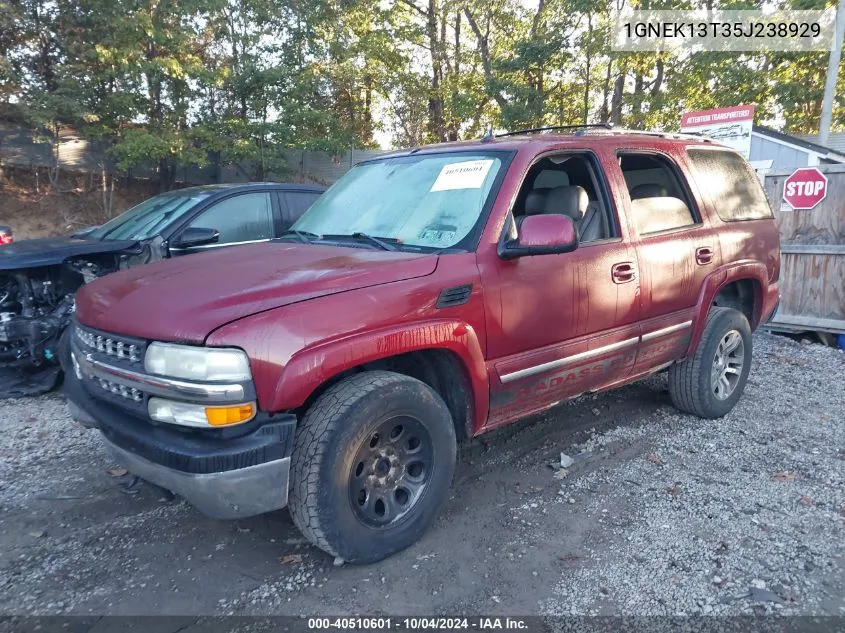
(623, 272)
(703, 255)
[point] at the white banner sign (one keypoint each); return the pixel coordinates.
(728, 126)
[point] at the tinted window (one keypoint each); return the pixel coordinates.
(296, 203)
(731, 183)
(659, 201)
(242, 218)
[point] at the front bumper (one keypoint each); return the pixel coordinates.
(225, 495)
(225, 473)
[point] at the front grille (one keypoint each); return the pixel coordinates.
(110, 345)
(130, 393)
(118, 351)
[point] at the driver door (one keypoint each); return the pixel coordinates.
(240, 219)
(562, 324)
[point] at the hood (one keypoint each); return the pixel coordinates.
(49, 251)
(187, 298)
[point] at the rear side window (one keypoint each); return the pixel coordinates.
(297, 203)
(659, 201)
(731, 183)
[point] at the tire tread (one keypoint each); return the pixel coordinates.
(685, 377)
(321, 420)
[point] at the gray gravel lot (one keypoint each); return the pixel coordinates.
(660, 513)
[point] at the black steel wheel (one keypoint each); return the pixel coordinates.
(390, 471)
(372, 465)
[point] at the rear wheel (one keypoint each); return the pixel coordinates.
(709, 383)
(371, 466)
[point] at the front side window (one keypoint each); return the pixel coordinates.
(432, 201)
(567, 184)
(732, 184)
(244, 218)
(659, 201)
(149, 218)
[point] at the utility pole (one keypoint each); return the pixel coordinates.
(832, 75)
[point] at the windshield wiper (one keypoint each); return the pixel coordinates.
(303, 236)
(381, 242)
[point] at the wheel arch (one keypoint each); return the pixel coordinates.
(446, 355)
(738, 286)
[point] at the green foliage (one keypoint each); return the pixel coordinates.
(218, 82)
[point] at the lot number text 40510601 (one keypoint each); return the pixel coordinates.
(418, 623)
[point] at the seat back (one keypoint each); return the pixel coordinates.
(658, 214)
(571, 201)
(535, 201)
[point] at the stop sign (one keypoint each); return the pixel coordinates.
(805, 188)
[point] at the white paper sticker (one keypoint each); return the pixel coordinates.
(469, 174)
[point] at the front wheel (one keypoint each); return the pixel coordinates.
(372, 465)
(709, 383)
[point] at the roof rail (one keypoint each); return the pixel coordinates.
(676, 135)
(605, 128)
(534, 130)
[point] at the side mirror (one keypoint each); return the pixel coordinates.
(195, 236)
(546, 234)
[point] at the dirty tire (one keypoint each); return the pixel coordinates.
(340, 424)
(690, 382)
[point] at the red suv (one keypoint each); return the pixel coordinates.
(428, 296)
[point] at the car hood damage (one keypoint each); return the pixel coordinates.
(38, 279)
(186, 302)
(50, 251)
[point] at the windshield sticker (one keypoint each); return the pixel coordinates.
(438, 237)
(469, 174)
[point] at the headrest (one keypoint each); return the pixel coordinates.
(571, 201)
(648, 190)
(535, 201)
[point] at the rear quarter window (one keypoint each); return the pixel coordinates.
(732, 184)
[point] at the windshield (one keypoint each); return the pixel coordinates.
(430, 200)
(147, 219)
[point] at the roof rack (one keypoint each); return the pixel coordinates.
(604, 129)
(534, 130)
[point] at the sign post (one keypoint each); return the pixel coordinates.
(805, 188)
(728, 126)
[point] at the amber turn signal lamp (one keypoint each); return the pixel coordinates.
(223, 416)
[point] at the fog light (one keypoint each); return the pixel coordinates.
(198, 415)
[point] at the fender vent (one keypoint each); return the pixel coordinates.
(456, 296)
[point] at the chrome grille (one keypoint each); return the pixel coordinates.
(130, 393)
(110, 345)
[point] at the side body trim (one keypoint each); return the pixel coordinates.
(576, 358)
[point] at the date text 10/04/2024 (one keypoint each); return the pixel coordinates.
(418, 623)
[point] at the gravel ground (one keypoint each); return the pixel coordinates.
(743, 514)
(660, 513)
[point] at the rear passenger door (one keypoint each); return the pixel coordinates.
(676, 251)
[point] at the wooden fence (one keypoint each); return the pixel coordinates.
(812, 276)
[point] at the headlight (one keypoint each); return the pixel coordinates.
(197, 363)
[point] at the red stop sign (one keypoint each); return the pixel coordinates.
(805, 188)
